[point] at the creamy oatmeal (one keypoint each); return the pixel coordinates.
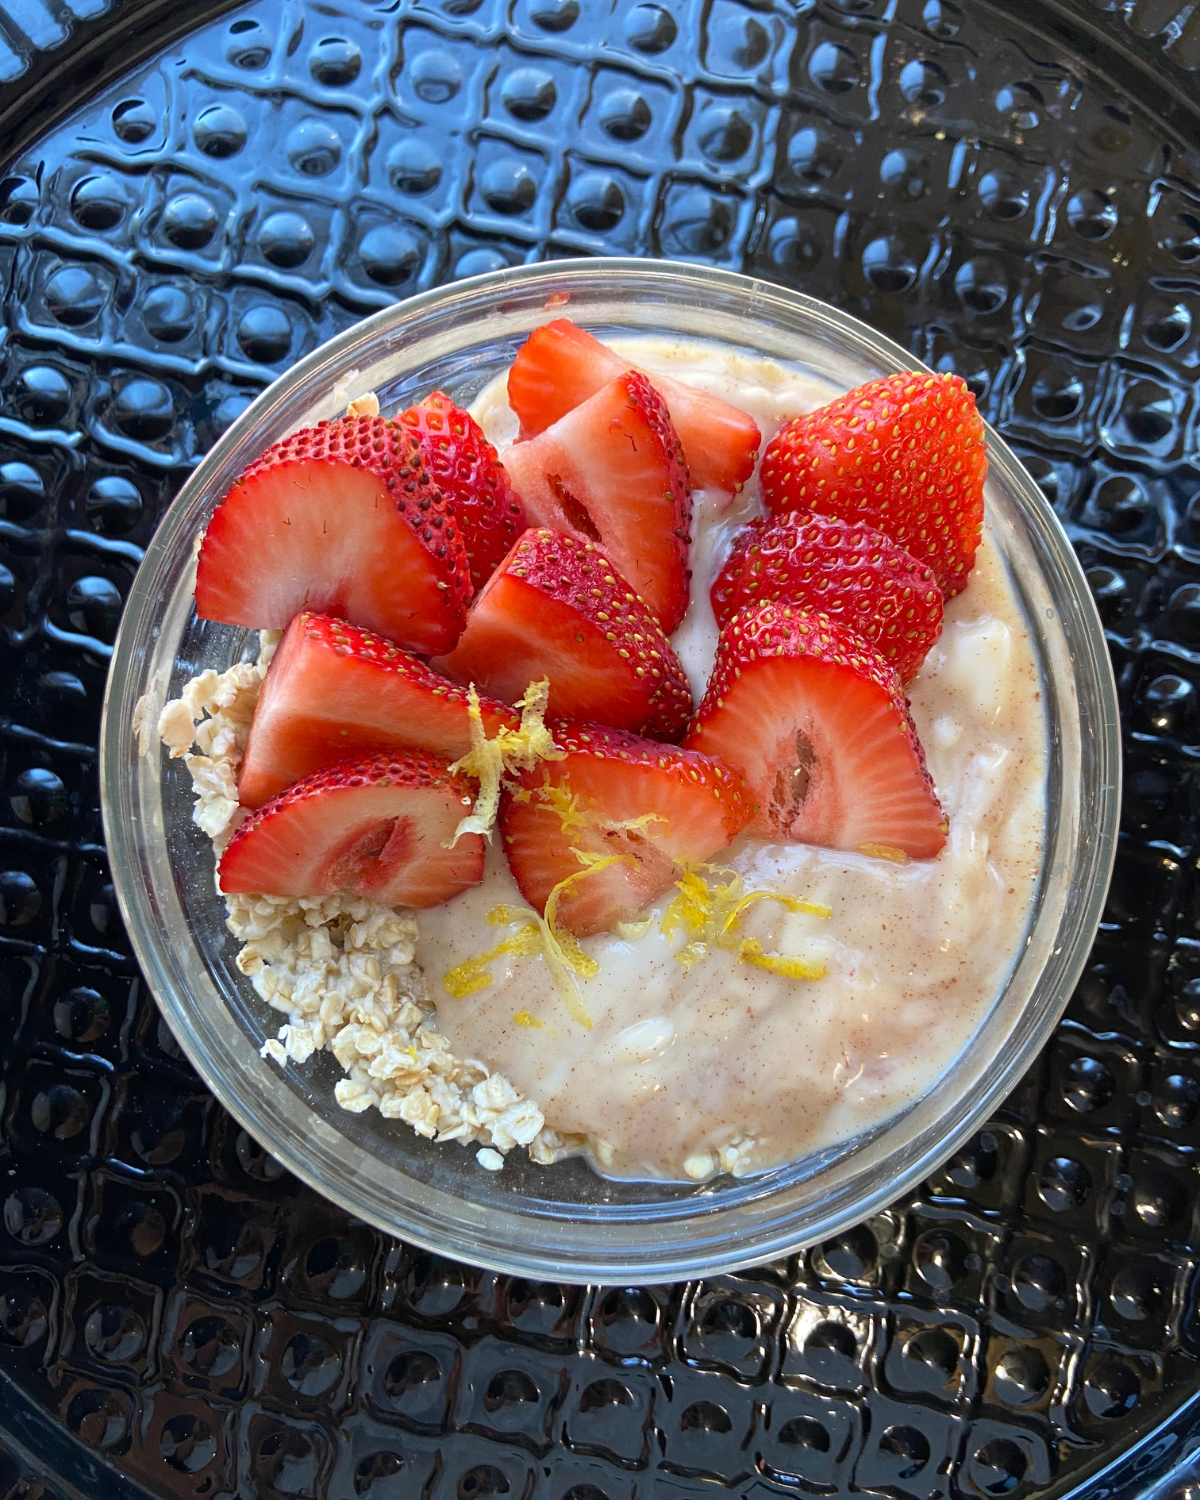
(687, 1071)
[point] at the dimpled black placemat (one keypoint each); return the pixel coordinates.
(1008, 193)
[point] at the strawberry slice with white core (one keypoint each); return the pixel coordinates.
(612, 472)
(334, 692)
(561, 366)
(816, 719)
(464, 464)
(376, 827)
(556, 608)
(343, 518)
(655, 807)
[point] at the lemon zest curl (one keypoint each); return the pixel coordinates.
(711, 911)
(572, 817)
(473, 974)
(884, 851)
(561, 949)
(494, 761)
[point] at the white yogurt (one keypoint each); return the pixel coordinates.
(686, 1069)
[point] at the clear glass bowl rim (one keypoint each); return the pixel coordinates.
(760, 1218)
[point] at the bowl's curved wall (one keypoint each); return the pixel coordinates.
(564, 1222)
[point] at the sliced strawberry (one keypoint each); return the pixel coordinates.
(816, 719)
(597, 800)
(612, 472)
(906, 454)
(561, 366)
(557, 608)
(850, 572)
(335, 692)
(375, 827)
(461, 460)
(344, 518)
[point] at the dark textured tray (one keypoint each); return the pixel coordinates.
(1013, 193)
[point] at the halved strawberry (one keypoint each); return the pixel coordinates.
(489, 513)
(561, 366)
(616, 794)
(816, 719)
(906, 454)
(849, 571)
(377, 827)
(557, 608)
(345, 518)
(612, 472)
(334, 691)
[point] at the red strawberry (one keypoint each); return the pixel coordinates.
(612, 472)
(376, 827)
(561, 366)
(334, 692)
(462, 461)
(816, 719)
(556, 608)
(906, 454)
(344, 518)
(852, 573)
(597, 800)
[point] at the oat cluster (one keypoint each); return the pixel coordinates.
(340, 968)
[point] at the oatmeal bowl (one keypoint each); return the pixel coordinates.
(610, 770)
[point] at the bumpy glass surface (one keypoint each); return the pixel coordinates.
(1010, 191)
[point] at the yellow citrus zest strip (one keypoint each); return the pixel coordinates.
(564, 802)
(505, 916)
(572, 816)
(884, 851)
(473, 975)
(560, 948)
(630, 932)
(711, 912)
(563, 952)
(691, 954)
(793, 903)
(523, 1018)
(750, 951)
(512, 750)
(692, 908)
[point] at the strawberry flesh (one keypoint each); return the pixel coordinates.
(848, 571)
(334, 691)
(557, 608)
(343, 518)
(376, 827)
(612, 472)
(816, 720)
(464, 464)
(907, 455)
(607, 782)
(561, 366)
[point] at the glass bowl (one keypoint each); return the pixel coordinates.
(564, 1222)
